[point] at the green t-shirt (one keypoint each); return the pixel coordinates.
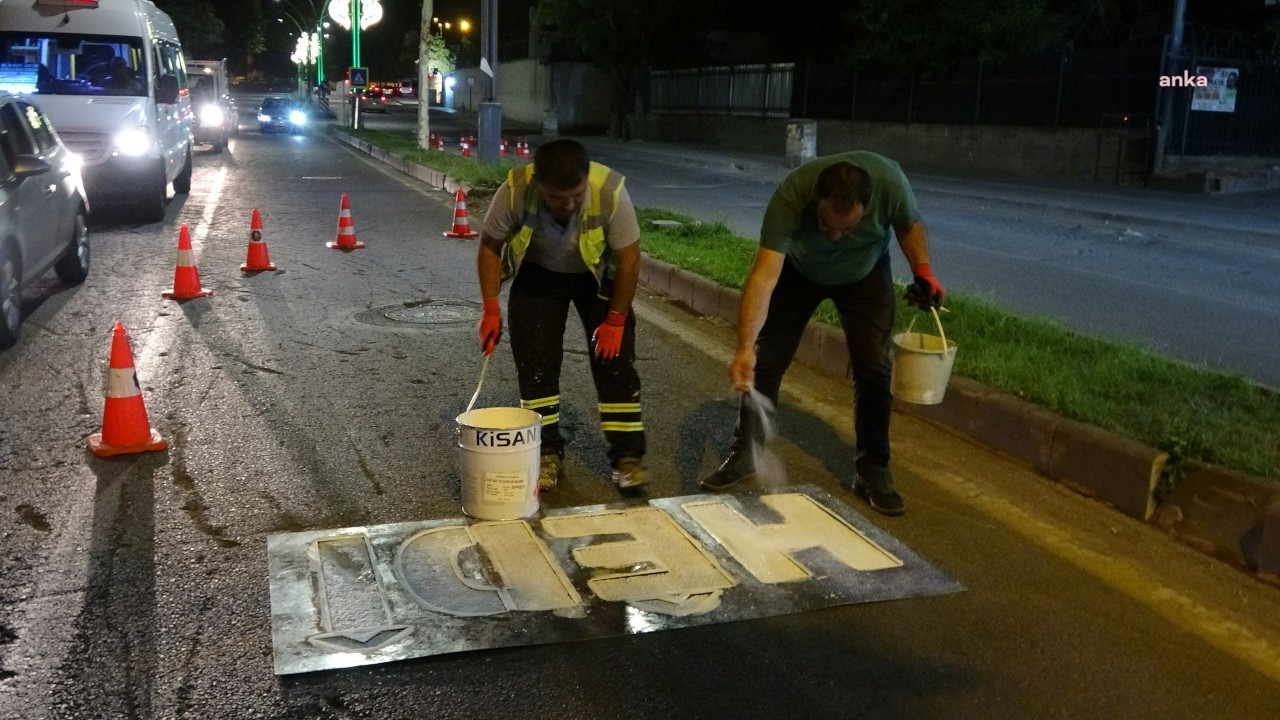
(791, 221)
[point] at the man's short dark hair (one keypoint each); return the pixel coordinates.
(561, 164)
(845, 184)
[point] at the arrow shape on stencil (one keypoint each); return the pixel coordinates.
(354, 613)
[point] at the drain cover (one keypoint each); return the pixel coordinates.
(436, 312)
(441, 314)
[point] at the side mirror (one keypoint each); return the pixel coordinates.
(167, 90)
(28, 165)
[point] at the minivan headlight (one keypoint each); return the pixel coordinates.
(211, 116)
(134, 141)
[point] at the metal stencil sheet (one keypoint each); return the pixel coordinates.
(365, 595)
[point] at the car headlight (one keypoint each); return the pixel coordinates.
(297, 117)
(264, 118)
(134, 141)
(211, 115)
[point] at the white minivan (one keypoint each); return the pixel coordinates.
(111, 76)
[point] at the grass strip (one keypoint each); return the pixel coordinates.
(1191, 412)
(466, 170)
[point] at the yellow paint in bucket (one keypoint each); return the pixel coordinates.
(499, 450)
(922, 364)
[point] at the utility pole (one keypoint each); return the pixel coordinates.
(424, 76)
(1172, 66)
(490, 120)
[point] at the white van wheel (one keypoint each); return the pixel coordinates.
(182, 183)
(154, 196)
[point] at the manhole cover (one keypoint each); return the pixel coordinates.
(432, 313)
(438, 312)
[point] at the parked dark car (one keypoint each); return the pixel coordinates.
(281, 114)
(42, 208)
(373, 100)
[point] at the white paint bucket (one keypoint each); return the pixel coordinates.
(499, 451)
(922, 365)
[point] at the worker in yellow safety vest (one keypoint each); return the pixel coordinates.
(565, 229)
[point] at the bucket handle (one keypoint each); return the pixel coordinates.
(485, 366)
(943, 335)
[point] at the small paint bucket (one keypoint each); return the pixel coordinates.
(922, 365)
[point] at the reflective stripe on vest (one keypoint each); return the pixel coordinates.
(605, 186)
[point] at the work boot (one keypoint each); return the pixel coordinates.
(735, 469)
(550, 471)
(629, 473)
(875, 485)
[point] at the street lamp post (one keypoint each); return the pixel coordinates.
(318, 17)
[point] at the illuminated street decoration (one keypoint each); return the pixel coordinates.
(365, 595)
(370, 13)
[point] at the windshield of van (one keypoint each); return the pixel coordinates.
(67, 64)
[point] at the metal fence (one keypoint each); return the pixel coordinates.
(1064, 89)
(1107, 89)
(763, 90)
(1240, 120)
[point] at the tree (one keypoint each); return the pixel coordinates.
(624, 40)
(202, 26)
(198, 26)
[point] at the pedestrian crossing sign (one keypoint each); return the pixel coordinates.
(359, 76)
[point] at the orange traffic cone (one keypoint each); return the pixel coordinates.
(186, 278)
(258, 258)
(461, 222)
(440, 143)
(465, 144)
(125, 428)
(346, 229)
(502, 148)
(524, 148)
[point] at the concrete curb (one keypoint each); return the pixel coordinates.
(1229, 515)
(1232, 516)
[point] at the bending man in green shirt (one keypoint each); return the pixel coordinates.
(826, 236)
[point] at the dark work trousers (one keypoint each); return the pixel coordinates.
(537, 310)
(866, 312)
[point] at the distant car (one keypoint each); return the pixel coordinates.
(373, 100)
(42, 208)
(280, 114)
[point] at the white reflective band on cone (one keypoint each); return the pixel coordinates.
(122, 383)
(186, 258)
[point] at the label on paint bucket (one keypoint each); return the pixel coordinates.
(504, 487)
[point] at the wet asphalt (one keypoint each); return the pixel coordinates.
(136, 587)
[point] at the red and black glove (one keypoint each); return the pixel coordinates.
(926, 292)
(490, 326)
(608, 337)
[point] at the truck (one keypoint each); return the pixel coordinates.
(217, 118)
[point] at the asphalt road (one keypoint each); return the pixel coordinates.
(1190, 277)
(136, 587)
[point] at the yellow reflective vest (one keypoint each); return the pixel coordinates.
(605, 186)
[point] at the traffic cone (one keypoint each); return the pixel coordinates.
(346, 229)
(186, 278)
(524, 148)
(465, 144)
(125, 428)
(258, 258)
(502, 148)
(440, 143)
(461, 222)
